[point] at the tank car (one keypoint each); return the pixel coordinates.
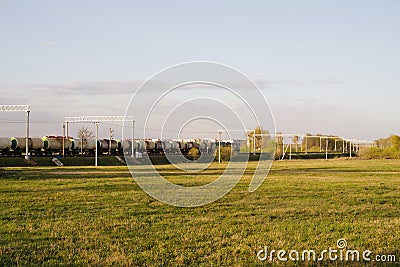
(54, 145)
(84, 146)
(7, 143)
(139, 146)
(150, 145)
(107, 146)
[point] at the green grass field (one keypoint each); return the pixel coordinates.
(99, 216)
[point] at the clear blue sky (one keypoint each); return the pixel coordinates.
(325, 66)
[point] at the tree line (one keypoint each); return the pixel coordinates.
(385, 148)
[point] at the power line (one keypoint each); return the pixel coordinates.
(17, 121)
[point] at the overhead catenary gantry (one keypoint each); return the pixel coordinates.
(20, 108)
(349, 145)
(96, 120)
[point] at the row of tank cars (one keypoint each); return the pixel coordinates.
(53, 145)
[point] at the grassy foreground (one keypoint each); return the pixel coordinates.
(99, 216)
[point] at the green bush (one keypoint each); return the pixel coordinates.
(225, 153)
(194, 153)
(380, 153)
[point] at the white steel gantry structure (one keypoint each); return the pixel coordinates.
(348, 145)
(287, 140)
(20, 108)
(96, 120)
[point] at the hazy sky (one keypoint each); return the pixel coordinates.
(325, 66)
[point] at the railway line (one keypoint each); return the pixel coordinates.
(69, 146)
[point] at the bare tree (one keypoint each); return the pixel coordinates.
(84, 133)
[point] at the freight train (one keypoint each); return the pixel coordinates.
(53, 146)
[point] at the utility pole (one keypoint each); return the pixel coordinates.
(97, 140)
(27, 136)
(350, 148)
(111, 137)
(326, 149)
(219, 146)
(343, 145)
(133, 139)
(254, 142)
(63, 143)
